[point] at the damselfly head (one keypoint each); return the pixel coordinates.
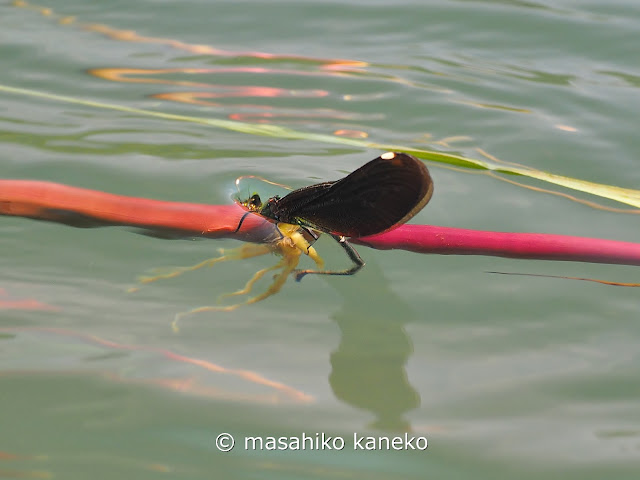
(254, 203)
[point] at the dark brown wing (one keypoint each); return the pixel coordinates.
(378, 196)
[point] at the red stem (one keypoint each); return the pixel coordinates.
(89, 208)
(81, 207)
(539, 246)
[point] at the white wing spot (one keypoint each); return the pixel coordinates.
(388, 155)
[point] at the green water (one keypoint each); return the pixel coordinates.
(505, 376)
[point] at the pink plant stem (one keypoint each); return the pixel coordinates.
(89, 208)
(538, 246)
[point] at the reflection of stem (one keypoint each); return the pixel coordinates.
(171, 383)
(623, 195)
(368, 367)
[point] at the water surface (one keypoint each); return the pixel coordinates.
(503, 375)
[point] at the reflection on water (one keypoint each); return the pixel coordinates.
(368, 367)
